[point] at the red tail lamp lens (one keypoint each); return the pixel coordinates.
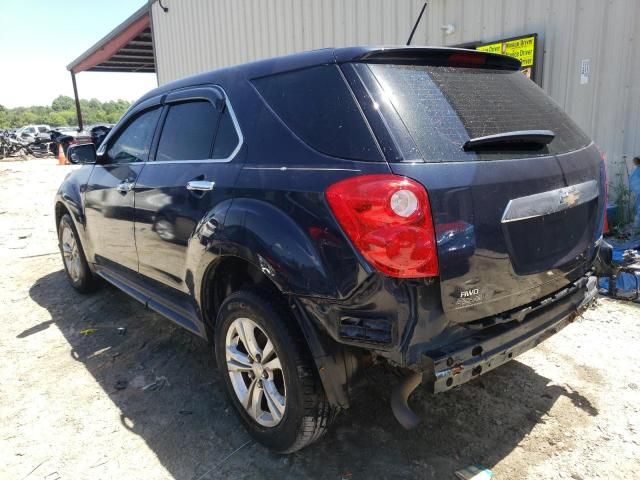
(388, 219)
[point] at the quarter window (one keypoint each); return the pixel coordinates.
(133, 144)
(226, 138)
(317, 105)
(188, 132)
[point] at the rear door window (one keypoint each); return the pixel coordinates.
(443, 107)
(318, 107)
(188, 132)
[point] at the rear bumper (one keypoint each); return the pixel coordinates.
(458, 362)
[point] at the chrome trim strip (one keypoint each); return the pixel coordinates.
(233, 154)
(235, 151)
(310, 169)
(553, 201)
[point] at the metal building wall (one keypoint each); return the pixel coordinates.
(199, 35)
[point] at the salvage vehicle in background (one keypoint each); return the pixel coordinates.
(65, 136)
(10, 146)
(29, 133)
(316, 213)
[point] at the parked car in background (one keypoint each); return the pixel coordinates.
(317, 213)
(29, 133)
(67, 130)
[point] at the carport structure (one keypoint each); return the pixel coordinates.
(127, 48)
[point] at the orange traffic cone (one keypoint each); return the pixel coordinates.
(62, 160)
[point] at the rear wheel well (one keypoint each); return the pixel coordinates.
(232, 274)
(228, 276)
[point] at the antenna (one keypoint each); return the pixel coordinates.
(424, 7)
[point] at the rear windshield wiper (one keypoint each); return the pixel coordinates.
(521, 139)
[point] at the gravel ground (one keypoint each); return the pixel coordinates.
(149, 404)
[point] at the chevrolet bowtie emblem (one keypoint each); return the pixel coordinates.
(569, 197)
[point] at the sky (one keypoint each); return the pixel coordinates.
(39, 38)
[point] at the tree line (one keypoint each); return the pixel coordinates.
(62, 112)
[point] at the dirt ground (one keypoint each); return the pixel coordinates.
(148, 404)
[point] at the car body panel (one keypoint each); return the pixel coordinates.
(110, 213)
(481, 281)
(167, 215)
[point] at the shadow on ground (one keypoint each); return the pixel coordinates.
(164, 381)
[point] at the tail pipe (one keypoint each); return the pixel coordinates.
(399, 396)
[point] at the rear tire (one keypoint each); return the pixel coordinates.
(290, 409)
(75, 263)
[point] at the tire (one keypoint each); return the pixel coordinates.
(306, 413)
(75, 263)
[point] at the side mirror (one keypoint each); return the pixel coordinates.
(83, 153)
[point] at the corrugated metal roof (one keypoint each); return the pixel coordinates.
(127, 48)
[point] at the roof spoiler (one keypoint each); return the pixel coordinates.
(445, 57)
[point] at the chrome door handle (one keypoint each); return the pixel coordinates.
(200, 186)
(125, 187)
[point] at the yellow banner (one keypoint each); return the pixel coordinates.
(521, 48)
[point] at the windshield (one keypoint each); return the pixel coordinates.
(444, 107)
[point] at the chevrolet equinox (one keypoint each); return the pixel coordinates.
(317, 213)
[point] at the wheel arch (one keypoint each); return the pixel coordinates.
(334, 362)
(226, 275)
(60, 210)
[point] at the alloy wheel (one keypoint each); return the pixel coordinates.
(255, 371)
(71, 253)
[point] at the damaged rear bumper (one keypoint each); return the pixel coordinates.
(485, 350)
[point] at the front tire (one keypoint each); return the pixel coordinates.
(75, 263)
(268, 372)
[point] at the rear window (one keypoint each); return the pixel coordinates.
(443, 107)
(317, 105)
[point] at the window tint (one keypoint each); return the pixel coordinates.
(132, 145)
(226, 138)
(318, 107)
(188, 132)
(443, 107)
(42, 129)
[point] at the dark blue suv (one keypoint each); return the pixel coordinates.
(315, 214)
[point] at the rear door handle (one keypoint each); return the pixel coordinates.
(125, 186)
(200, 185)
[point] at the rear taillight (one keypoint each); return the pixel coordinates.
(388, 218)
